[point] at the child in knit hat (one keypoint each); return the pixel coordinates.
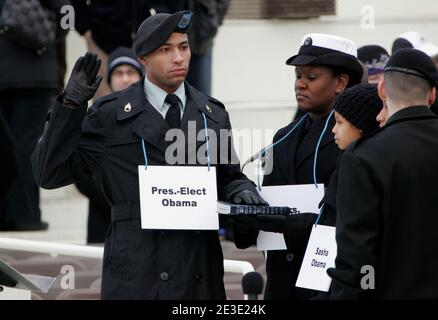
(356, 110)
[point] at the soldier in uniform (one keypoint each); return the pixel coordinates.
(387, 203)
(107, 142)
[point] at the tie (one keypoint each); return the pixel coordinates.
(173, 115)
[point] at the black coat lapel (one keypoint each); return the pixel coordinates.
(149, 125)
(311, 139)
(196, 106)
(284, 155)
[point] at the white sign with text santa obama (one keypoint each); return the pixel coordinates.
(178, 198)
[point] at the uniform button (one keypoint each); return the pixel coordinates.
(199, 277)
(289, 257)
(164, 276)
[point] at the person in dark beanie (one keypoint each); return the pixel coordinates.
(386, 193)
(325, 66)
(356, 110)
(374, 58)
(123, 69)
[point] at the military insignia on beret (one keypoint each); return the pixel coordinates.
(185, 20)
(308, 42)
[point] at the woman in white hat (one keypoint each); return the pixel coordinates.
(324, 67)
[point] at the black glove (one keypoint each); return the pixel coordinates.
(83, 81)
(297, 224)
(272, 223)
(249, 197)
(245, 223)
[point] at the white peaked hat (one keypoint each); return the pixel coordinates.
(328, 50)
(415, 40)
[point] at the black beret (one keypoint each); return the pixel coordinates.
(414, 62)
(331, 51)
(360, 105)
(156, 29)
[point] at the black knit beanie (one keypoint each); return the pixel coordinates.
(360, 105)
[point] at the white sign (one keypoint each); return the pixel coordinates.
(301, 197)
(180, 198)
(320, 255)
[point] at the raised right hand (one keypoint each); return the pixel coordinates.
(83, 81)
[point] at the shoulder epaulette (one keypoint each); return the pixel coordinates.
(215, 101)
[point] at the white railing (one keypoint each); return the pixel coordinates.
(233, 266)
(51, 248)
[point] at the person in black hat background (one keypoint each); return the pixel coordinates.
(386, 193)
(123, 71)
(374, 58)
(325, 66)
(415, 40)
(108, 143)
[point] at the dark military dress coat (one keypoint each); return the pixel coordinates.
(293, 164)
(387, 211)
(139, 264)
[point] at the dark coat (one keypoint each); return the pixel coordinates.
(291, 167)
(9, 167)
(387, 211)
(113, 23)
(22, 67)
(138, 264)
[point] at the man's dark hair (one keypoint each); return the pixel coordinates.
(407, 88)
